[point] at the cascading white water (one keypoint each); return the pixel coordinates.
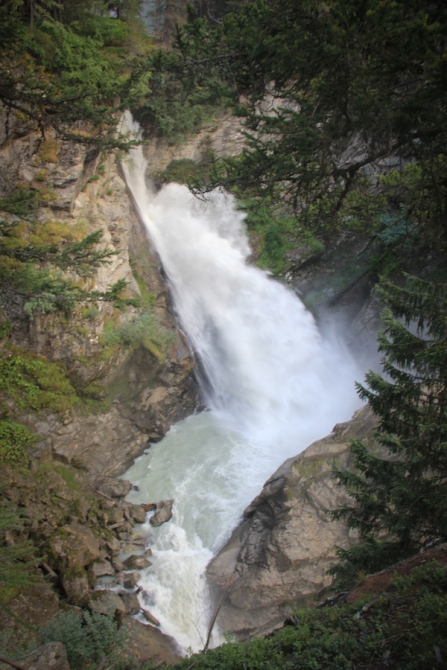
(274, 386)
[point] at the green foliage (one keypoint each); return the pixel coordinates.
(5, 328)
(28, 383)
(181, 171)
(184, 92)
(68, 476)
(400, 502)
(33, 383)
(18, 560)
(399, 629)
(275, 232)
(33, 256)
(15, 441)
(86, 636)
(137, 332)
(56, 75)
(328, 92)
(107, 31)
(13, 648)
(20, 202)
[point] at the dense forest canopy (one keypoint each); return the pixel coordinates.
(333, 95)
(343, 106)
(58, 73)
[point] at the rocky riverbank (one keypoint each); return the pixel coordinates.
(89, 550)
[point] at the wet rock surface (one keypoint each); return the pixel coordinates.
(107, 602)
(136, 563)
(277, 559)
(131, 603)
(147, 644)
(163, 513)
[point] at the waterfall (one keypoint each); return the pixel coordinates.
(274, 385)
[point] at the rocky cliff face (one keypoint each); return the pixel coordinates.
(277, 559)
(132, 394)
(125, 393)
(223, 137)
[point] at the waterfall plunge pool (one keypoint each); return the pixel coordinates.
(274, 385)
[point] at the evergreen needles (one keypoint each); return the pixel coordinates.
(400, 500)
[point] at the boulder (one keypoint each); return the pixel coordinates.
(106, 602)
(135, 562)
(147, 645)
(132, 548)
(115, 515)
(277, 559)
(150, 617)
(137, 513)
(130, 580)
(114, 545)
(74, 546)
(131, 603)
(50, 656)
(102, 569)
(117, 565)
(163, 512)
(137, 537)
(76, 587)
(114, 488)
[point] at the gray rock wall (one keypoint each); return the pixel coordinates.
(137, 393)
(277, 559)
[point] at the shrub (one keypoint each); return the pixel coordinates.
(15, 440)
(87, 637)
(138, 331)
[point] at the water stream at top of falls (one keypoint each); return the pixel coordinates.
(274, 385)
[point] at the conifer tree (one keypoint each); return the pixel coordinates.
(32, 273)
(400, 500)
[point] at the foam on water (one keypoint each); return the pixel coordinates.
(273, 387)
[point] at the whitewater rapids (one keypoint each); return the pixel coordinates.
(273, 386)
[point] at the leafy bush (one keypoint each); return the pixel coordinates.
(15, 440)
(106, 30)
(34, 383)
(87, 637)
(138, 331)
